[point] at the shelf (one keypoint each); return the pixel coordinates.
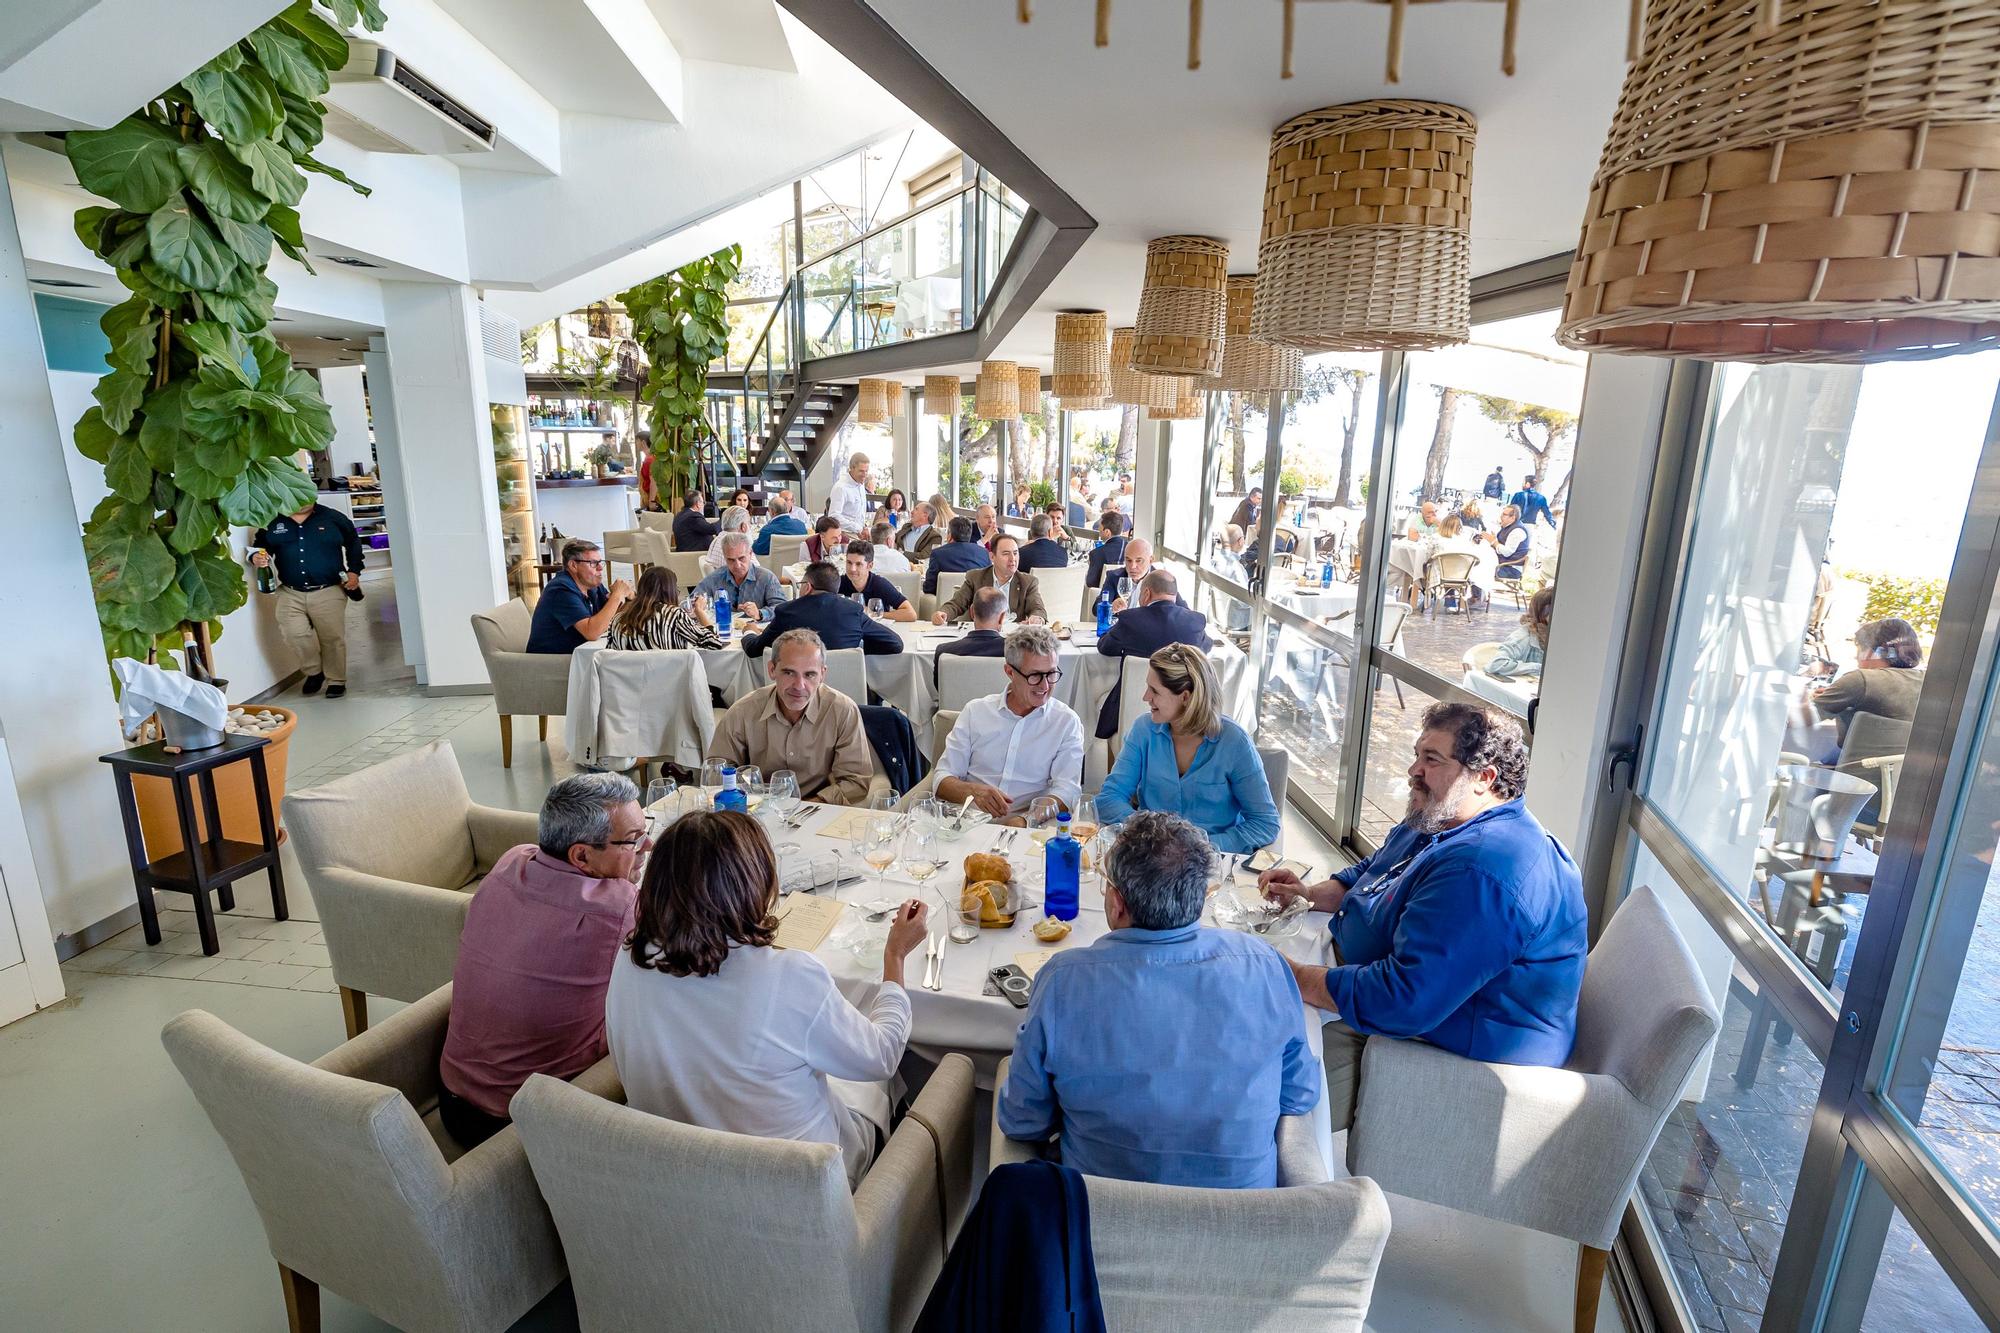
(237, 859)
(566, 430)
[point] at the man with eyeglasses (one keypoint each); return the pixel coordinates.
(535, 956)
(1466, 929)
(1009, 748)
(576, 608)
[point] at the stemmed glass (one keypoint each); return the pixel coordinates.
(931, 817)
(711, 779)
(1125, 588)
(877, 841)
(1042, 812)
(781, 793)
(920, 858)
(750, 781)
(658, 792)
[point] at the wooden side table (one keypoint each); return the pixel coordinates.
(199, 867)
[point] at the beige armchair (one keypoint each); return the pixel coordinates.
(1176, 1260)
(359, 1193)
(760, 1233)
(523, 682)
(1554, 1150)
(391, 855)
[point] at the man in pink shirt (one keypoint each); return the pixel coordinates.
(527, 994)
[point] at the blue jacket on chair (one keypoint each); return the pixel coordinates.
(1141, 631)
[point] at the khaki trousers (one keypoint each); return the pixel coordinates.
(1340, 1050)
(315, 625)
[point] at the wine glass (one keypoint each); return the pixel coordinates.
(781, 792)
(750, 781)
(920, 846)
(877, 842)
(711, 779)
(856, 598)
(1042, 812)
(659, 791)
(1125, 588)
(875, 608)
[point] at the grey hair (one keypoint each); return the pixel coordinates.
(578, 547)
(735, 519)
(578, 810)
(1160, 864)
(1161, 583)
(730, 539)
(781, 503)
(798, 637)
(1030, 641)
(1038, 526)
(988, 604)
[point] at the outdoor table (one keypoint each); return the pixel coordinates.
(1512, 695)
(1309, 599)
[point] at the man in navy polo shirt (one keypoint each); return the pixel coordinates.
(576, 608)
(862, 578)
(318, 557)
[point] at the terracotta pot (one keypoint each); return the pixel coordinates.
(235, 795)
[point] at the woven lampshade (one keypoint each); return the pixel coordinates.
(1365, 243)
(1189, 405)
(1819, 189)
(1031, 389)
(872, 408)
(1082, 375)
(999, 391)
(1181, 307)
(941, 394)
(1133, 388)
(1249, 365)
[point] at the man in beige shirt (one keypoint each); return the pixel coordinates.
(1024, 594)
(796, 722)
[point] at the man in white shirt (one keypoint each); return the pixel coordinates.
(889, 560)
(849, 501)
(1009, 748)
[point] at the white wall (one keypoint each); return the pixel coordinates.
(342, 388)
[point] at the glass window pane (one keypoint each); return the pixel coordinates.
(1394, 724)
(1909, 1290)
(1102, 446)
(1719, 1181)
(1829, 497)
(1182, 518)
(1322, 484)
(1488, 424)
(978, 456)
(1032, 459)
(1303, 706)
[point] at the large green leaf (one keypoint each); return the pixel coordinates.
(288, 61)
(268, 487)
(127, 472)
(163, 433)
(126, 566)
(365, 12)
(226, 457)
(218, 346)
(213, 583)
(309, 425)
(222, 183)
(283, 220)
(272, 169)
(89, 224)
(327, 42)
(93, 438)
(115, 515)
(133, 329)
(310, 163)
(198, 481)
(304, 127)
(196, 523)
(248, 241)
(132, 163)
(120, 394)
(243, 315)
(241, 104)
(273, 363)
(188, 248)
(137, 282)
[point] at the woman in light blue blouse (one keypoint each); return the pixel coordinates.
(1184, 757)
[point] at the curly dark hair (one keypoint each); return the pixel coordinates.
(711, 883)
(1483, 738)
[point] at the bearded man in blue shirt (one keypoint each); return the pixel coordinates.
(1467, 928)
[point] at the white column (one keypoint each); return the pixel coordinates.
(56, 706)
(342, 388)
(445, 526)
(1149, 457)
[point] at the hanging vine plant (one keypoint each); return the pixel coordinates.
(197, 420)
(681, 321)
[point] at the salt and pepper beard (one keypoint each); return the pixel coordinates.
(1433, 814)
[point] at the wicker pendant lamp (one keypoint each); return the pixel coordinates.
(873, 408)
(1181, 308)
(998, 396)
(941, 394)
(1031, 389)
(1248, 364)
(1082, 376)
(1798, 183)
(1189, 405)
(1134, 388)
(1365, 243)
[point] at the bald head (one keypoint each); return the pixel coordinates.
(1159, 586)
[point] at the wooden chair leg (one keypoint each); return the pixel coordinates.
(354, 1008)
(506, 741)
(301, 1301)
(543, 723)
(1590, 1263)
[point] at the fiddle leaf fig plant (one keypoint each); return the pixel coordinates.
(201, 412)
(681, 321)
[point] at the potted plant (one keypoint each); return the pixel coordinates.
(681, 320)
(600, 460)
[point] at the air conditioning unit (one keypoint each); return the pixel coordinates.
(378, 103)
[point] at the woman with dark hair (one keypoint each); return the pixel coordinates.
(739, 498)
(895, 508)
(710, 1025)
(1888, 676)
(655, 618)
(1521, 653)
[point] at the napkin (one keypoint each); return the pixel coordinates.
(144, 688)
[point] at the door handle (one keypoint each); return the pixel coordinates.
(1623, 756)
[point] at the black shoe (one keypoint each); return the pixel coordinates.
(335, 691)
(313, 683)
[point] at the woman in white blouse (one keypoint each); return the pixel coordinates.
(711, 1025)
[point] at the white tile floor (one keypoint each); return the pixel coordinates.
(123, 1210)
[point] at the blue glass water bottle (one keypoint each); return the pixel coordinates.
(729, 796)
(722, 614)
(1326, 573)
(1062, 865)
(1104, 613)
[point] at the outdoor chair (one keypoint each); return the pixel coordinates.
(1451, 577)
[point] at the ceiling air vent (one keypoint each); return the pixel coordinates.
(380, 104)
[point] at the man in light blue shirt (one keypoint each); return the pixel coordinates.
(752, 589)
(1164, 1052)
(782, 523)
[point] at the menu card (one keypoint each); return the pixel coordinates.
(1031, 963)
(804, 921)
(845, 828)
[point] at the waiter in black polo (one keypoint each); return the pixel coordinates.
(319, 557)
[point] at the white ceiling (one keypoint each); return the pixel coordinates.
(1150, 148)
(739, 32)
(564, 49)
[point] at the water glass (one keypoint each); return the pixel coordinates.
(965, 921)
(781, 792)
(750, 781)
(711, 779)
(875, 608)
(1042, 812)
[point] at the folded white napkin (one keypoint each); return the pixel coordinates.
(143, 688)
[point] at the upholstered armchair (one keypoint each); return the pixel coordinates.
(1553, 1150)
(359, 1192)
(764, 1233)
(392, 854)
(1176, 1260)
(524, 683)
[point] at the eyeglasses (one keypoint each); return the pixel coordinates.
(581, 561)
(1039, 678)
(630, 844)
